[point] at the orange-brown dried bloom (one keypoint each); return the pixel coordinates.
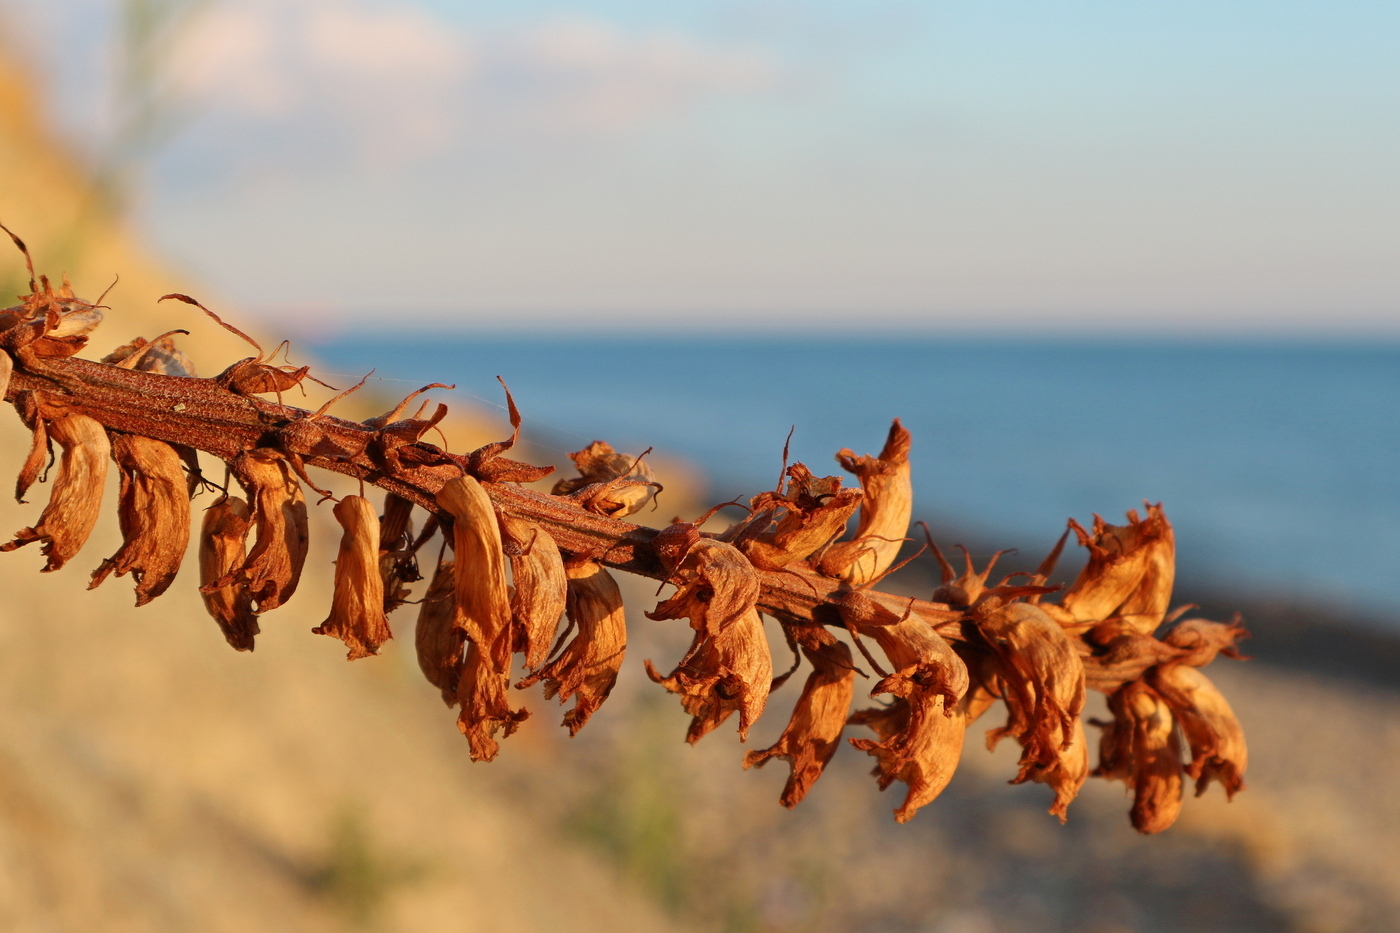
(587, 667)
(814, 731)
(154, 515)
(357, 602)
(732, 670)
(76, 500)
(541, 587)
(814, 511)
(1216, 740)
(884, 512)
(441, 644)
(483, 613)
(1129, 574)
(222, 542)
(1140, 748)
(273, 567)
(1043, 678)
(609, 483)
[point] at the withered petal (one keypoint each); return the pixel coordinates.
(76, 500)
(153, 513)
(813, 732)
(357, 601)
(222, 540)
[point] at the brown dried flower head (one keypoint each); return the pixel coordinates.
(357, 602)
(587, 667)
(154, 515)
(76, 500)
(814, 732)
(885, 511)
(222, 551)
(482, 611)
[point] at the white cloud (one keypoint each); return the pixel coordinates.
(400, 84)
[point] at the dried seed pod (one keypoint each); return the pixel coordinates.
(76, 499)
(483, 613)
(732, 670)
(1140, 748)
(440, 644)
(357, 603)
(1218, 749)
(609, 483)
(1043, 678)
(814, 731)
(1130, 566)
(815, 510)
(884, 512)
(587, 667)
(274, 565)
(154, 515)
(222, 542)
(541, 587)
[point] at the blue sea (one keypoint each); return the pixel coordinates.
(1279, 464)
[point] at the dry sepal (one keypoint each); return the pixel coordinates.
(813, 732)
(482, 612)
(153, 513)
(223, 540)
(357, 602)
(587, 667)
(885, 510)
(76, 499)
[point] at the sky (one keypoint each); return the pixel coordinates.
(1221, 167)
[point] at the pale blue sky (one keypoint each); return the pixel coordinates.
(1183, 167)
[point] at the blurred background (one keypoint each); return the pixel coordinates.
(1090, 253)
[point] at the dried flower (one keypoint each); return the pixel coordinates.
(441, 644)
(357, 602)
(273, 567)
(921, 733)
(1140, 748)
(814, 732)
(1129, 573)
(884, 512)
(76, 499)
(541, 588)
(482, 611)
(154, 515)
(814, 511)
(587, 667)
(716, 587)
(1218, 750)
(720, 673)
(222, 542)
(609, 483)
(1043, 679)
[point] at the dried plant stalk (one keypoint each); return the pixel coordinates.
(946, 660)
